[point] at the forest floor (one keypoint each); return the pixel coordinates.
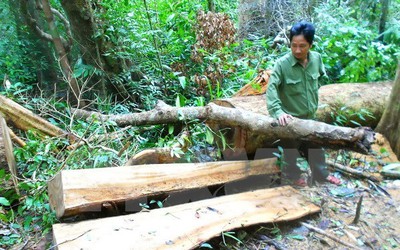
(378, 226)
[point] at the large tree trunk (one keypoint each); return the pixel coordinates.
(264, 130)
(93, 47)
(389, 124)
(383, 18)
(344, 99)
(24, 12)
(62, 55)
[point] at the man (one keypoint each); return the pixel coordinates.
(293, 92)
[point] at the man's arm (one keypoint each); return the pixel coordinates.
(323, 78)
(274, 104)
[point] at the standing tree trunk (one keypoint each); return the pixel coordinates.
(211, 5)
(93, 47)
(24, 12)
(383, 19)
(389, 124)
(62, 55)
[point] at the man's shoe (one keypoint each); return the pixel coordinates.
(334, 180)
(300, 182)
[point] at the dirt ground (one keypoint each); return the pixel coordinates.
(378, 226)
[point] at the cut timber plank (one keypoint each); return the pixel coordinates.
(184, 226)
(7, 153)
(75, 191)
(25, 119)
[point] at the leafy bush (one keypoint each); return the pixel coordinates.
(350, 48)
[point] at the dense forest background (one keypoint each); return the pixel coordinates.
(118, 57)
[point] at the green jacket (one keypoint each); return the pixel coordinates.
(293, 89)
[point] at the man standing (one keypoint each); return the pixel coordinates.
(293, 92)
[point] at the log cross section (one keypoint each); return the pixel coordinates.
(85, 190)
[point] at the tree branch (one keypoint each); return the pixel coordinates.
(316, 133)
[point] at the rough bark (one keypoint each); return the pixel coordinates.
(75, 191)
(263, 130)
(185, 226)
(383, 18)
(62, 55)
(24, 12)
(389, 124)
(94, 47)
(80, 15)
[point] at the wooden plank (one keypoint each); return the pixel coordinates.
(25, 119)
(7, 153)
(75, 191)
(184, 226)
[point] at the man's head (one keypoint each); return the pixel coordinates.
(301, 39)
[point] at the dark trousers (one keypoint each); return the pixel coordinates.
(314, 155)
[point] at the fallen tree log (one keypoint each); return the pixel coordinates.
(86, 190)
(25, 119)
(348, 99)
(161, 155)
(7, 160)
(185, 226)
(261, 131)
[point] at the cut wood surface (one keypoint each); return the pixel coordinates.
(25, 119)
(7, 160)
(75, 191)
(185, 226)
(261, 131)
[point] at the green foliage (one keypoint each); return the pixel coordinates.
(351, 49)
(345, 116)
(158, 41)
(16, 55)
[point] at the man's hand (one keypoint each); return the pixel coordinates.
(284, 119)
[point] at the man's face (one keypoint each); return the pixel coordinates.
(300, 47)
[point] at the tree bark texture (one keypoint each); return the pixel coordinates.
(24, 13)
(383, 18)
(389, 124)
(93, 47)
(62, 55)
(262, 131)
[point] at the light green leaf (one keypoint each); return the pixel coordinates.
(182, 81)
(4, 201)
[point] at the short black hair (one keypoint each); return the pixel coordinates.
(303, 28)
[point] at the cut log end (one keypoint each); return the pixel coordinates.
(56, 196)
